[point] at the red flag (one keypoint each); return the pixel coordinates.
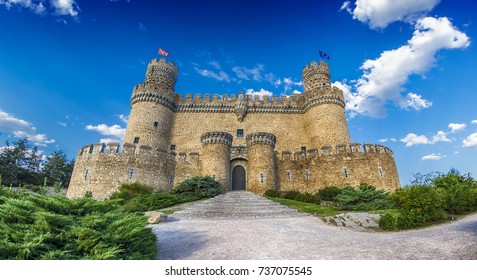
(162, 52)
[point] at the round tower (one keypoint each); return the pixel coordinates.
(325, 120)
(152, 107)
(261, 166)
(216, 156)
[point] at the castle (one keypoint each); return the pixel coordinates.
(297, 143)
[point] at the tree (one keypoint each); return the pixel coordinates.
(58, 169)
(20, 163)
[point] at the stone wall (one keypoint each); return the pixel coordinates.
(101, 170)
(261, 165)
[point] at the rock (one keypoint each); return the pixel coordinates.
(356, 221)
(155, 217)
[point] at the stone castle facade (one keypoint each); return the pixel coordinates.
(298, 143)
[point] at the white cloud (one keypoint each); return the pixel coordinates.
(65, 7)
(245, 73)
(384, 78)
(470, 141)
(216, 64)
(384, 140)
(456, 127)
(433, 157)
(59, 7)
(415, 102)
(220, 76)
(260, 93)
(412, 139)
(124, 118)
(35, 6)
(474, 122)
(116, 131)
(37, 139)
(63, 124)
(440, 137)
(380, 13)
(22, 129)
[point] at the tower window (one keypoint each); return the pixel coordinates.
(380, 172)
(289, 175)
(156, 124)
(85, 175)
(303, 149)
(262, 177)
(345, 172)
(131, 173)
(239, 132)
(136, 140)
(173, 147)
(307, 175)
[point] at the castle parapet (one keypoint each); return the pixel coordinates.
(216, 137)
(112, 147)
(261, 138)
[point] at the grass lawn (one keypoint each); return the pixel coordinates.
(310, 208)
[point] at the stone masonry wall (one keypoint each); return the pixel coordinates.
(101, 171)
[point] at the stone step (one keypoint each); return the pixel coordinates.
(236, 205)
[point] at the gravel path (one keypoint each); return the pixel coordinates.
(309, 238)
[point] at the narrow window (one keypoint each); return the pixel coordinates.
(289, 175)
(156, 124)
(171, 178)
(307, 175)
(131, 173)
(262, 177)
(239, 132)
(85, 175)
(380, 172)
(173, 147)
(136, 140)
(303, 149)
(345, 172)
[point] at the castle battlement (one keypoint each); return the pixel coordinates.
(354, 149)
(113, 149)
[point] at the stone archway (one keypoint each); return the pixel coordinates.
(239, 178)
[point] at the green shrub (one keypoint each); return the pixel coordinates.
(388, 222)
(128, 191)
(142, 203)
(459, 192)
(202, 187)
(41, 227)
(290, 194)
(328, 193)
(272, 193)
(364, 198)
(419, 204)
(305, 197)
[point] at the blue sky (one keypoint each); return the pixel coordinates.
(67, 68)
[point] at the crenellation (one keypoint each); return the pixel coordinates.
(171, 137)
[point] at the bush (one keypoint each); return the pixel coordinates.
(142, 203)
(290, 194)
(200, 187)
(329, 193)
(419, 204)
(459, 192)
(41, 227)
(388, 222)
(128, 191)
(305, 197)
(272, 193)
(364, 198)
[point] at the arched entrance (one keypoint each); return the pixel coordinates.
(238, 178)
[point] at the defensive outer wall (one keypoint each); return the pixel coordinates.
(297, 143)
